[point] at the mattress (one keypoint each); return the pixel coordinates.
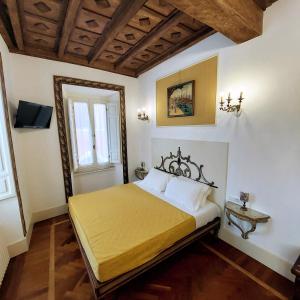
(123, 227)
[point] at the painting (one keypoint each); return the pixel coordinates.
(181, 99)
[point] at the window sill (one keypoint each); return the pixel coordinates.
(93, 170)
(7, 197)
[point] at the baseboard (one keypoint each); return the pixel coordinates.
(49, 213)
(269, 259)
(22, 245)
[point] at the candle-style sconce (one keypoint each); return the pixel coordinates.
(236, 109)
(141, 113)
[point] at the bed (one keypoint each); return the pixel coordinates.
(125, 230)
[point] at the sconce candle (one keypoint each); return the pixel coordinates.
(142, 114)
(236, 109)
(139, 113)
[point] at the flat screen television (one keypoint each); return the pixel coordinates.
(33, 115)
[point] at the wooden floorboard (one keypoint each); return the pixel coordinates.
(53, 269)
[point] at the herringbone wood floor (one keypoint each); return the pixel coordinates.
(53, 269)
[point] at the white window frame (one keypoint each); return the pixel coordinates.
(5, 159)
(95, 167)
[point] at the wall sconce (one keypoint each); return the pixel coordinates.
(236, 109)
(142, 114)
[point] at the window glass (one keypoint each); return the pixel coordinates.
(83, 134)
(101, 140)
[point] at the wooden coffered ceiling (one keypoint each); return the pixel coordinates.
(123, 36)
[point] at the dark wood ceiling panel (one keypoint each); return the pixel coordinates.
(178, 47)
(118, 47)
(39, 40)
(191, 23)
(40, 25)
(50, 9)
(176, 34)
(160, 46)
(126, 10)
(133, 63)
(84, 37)
(90, 21)
(102, 7)
(130, 35)
(145, 20)
(160, 6)
(121, 36)
(109, 56)
(78, 49)
(145, 55)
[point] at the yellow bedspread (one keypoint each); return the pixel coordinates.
(123, 227)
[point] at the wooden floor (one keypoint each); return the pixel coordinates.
(211, 269)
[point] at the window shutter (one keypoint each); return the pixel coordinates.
(113, 132)
(73, 134)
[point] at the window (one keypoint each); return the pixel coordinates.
(94, 132)
(7, 189)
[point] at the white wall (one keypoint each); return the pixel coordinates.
(93, 181)
(264, 143)
(10, 222)
(38, 150)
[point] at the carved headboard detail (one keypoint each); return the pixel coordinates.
(179, 165)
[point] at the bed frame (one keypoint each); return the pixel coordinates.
(102, 289)
(179, 166)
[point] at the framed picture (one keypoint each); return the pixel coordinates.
(181, 99)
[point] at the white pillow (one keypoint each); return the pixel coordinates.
(188, 193)
(205, 191)
(157, 180)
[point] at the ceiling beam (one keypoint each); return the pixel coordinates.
(13, 12)
(5, 35)
(264, 4)
(151, 37)
(239, 20)
(123, 14)
(72, 11)
(73, 59)
(177, 48)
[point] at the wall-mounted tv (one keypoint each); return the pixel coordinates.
(33, 115)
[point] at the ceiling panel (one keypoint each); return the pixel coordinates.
(90, 21)
(50, 9)
(176, 34)
(160, 46)
(145, 20)
(160, 6)
(102, 7)
(39, 41)
(118, 47)
(40, 25)
(133, 63)
(110, 56)
(145, 55)
(78, 49)
(130, 35)
(84, 37)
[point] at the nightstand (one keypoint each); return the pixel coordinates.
(141, 173)
(250, 215)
